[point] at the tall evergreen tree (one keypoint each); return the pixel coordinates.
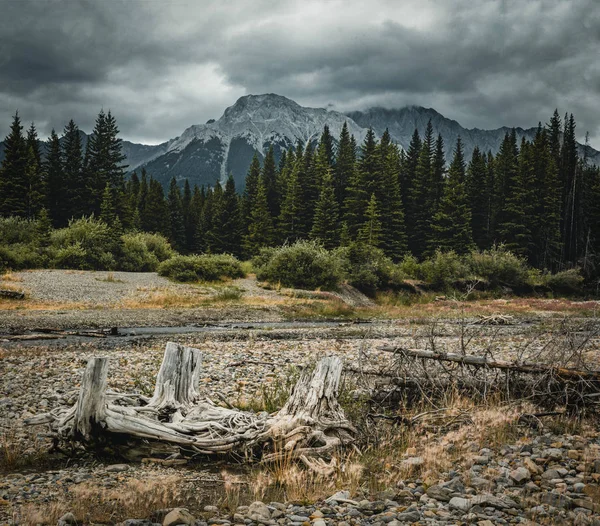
(227, 220)
(13, 176)
(75, 187)
(260, 230)
(394, 242)
(327, 142)
(370, 231)
(55, 183)
(35, 185)
(176, 216)
(452, 222)
(422, 196)
(407, 175)
(269, 177)
(155, 214)
(477, 188)
(326, 227)
(344, 167)
(252, 179)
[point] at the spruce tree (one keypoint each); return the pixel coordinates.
(439, 170)
(363, 182)
(75, 187)
(269, 177)
(108, 207)
(13, 175)
(477, 188)
(394, 242)
(35, 185)
(176, 217)
(327, 142)
(344, 167)
(55, 183)
(422, 196)
(326, 222)
(155, 214)
(451, 226)
(506, 168)
(370, 232)
(289, 226)
(407, 175)
(228, 219)
(252, 179)
(260, 230)
(515, 230)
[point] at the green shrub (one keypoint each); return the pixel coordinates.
(16, 230)
(142, 252)
(205, 267)
(367, 268)
(21, 256)
(410, 267)
(305, 264)
(443, 269)
(71, 256)
(565, 282)
(498, 266)
(93, 245)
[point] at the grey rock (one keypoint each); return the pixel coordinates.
(520, 475)
(178, 516)
(440, 493)
(407, 516)
(557, 500)
(258, 510)
(459, 503)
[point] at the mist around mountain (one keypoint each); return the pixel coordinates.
(207, 153)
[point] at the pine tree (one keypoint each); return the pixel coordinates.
(75, 187)
(439, 170)
(422, 196)
(227, 221)
(269, 177)
(252, 179)
(394, 242)
(176, 218)
(108, 207)
(326, 222)
(260, 230)
(370, 231)
(571, 191)
(451, 226)
(13, 176)
(516, 230)
(363, 183)
(407, 175)
(55, 184)
(35, 185)
(327, 142)
(155, 214)
(506, 168)
(289, 226)
(477, 188)
(344, 167)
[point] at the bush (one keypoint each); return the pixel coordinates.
(565, 282)
(499, 267)
(205, 267)
(86, 244)
(443, 269)
(142, 252)
(305, 264)
(410, 267)
(367, 268)
(16, 230)
(20, 256)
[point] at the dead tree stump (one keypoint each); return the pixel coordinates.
(311, 423)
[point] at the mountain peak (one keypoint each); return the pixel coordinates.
(252, 103)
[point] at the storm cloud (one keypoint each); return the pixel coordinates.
(161, 66)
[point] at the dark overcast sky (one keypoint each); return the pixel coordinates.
(162, 65)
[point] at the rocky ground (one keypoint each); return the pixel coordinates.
(481, 466)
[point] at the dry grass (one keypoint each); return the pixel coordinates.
(16, 451)
(92, 504)
(10, 276)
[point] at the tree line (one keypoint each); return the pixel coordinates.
(539, 198)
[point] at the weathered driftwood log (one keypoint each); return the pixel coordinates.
(12, 294)
(312, 423)
(484, 361)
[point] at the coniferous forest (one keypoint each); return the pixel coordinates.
(540, 199)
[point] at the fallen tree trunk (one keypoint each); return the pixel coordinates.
(12, 294)
(484, 361)
(311, 424)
